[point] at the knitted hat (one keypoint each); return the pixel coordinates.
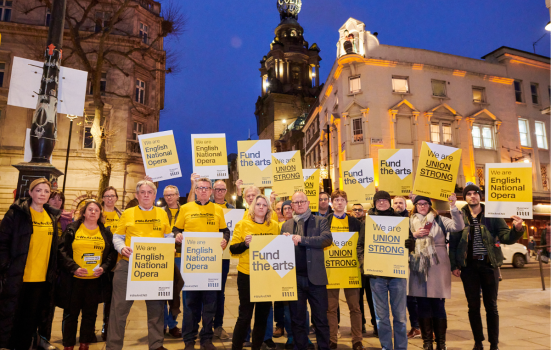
(381, 195)
(471, 187)
(419, 198)
(284, 204)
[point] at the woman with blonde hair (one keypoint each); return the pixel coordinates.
(86, 254)
(256, 222)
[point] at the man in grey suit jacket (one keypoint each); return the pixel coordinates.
(310, 234)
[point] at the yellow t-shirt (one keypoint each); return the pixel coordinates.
(173, 212)
(111, 219)
(88, 248)
(200, 218)
(274, 215)
(135, 222)
(340, 225)
(247, 227)
(38, 257)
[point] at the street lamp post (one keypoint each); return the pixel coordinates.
(71, 118)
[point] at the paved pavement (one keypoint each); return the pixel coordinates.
(524, 311)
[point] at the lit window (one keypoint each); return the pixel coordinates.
(137, 129)
(439, 88)
(479, 94)
(140, 91)
(102, 21)
(483, 136)
(447, 134)
(48, 17)
(523, 132)
(541, 137)
(400, 84)
(518, 90)
(480, 175)
(477, 141)
(2, 70)
(102, 85)
(435, 133)
(144, 33)
(534, 92)
(5, 10)
(355, 85)
(357, 130)
(441, 133)
(88, 141)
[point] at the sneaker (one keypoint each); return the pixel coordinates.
(339, 335)
(208, 346)
(270, 344)
(332, 345)
(357, 346)
(247, 344)
(279, 332)
(289, 344)
(175, 332)
(190, 345)
(220, 333)
(414, 333)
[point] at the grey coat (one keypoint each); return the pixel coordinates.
(439, 283)
(319, 237)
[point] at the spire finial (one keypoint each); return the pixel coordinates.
(289, 8)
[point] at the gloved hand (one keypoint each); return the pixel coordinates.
(409, 244)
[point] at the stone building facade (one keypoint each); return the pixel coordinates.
(24, 35)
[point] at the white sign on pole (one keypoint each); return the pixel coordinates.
(232, 217)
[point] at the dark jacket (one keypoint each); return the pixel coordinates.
(169, 213)
(67, 266)
(15, 237)
(355, 225)
(329, 211)
(319, 237)
(228, 205)
(491, 229)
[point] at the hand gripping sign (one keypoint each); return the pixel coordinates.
(341, 261)
(312, 187)
(287, 173)
(508, 190)
(358, 180)
(150, 269)
(255, 162)
(272, 268)
(437, 171)
(159, 155)
(385, 253)
(209, 155)
(396, 171)
(201, 265)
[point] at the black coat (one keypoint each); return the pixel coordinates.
(15, 237)
(67, 266)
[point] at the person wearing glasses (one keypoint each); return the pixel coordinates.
(358, 212)
(429, 265)
(339, 221)
(219, 198)
(144, 220)
(86, 253)
(324, 207)
(475, 256)
(389, 289)
(200, 216)
(257, 222)
(311, 234)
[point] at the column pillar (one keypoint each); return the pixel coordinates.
(367, 133)
(317, 75)
(285, 80)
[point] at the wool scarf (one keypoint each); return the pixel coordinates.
(425, 254)
(300, 219)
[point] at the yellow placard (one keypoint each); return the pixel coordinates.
(396, 171)
(152, 262)
(159, 151)
(312, 187)
(436, 174)
(358, 180)
(210, 151)
(341, 261)
(385, 253)
(202, 261)
(254, 161)
(509, 190)
(272, 268)
(232, 217)
(287, 173)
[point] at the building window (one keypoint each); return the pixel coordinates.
(2, 70)
(483, 136)
(48, 16)
(102, 85)
(357, 130)
(523, 132)
(439, 88)
(137, 129)
(534, 92)
(102, 20)
(541, 137)
(5, 10)
(355, 85)
(518, 90)
(400, 84)
(544, 177)
(435, 133)
(88, 140)
(140, 91)
(441, 133)
(144, 33)
(480, 175)
(479, 94)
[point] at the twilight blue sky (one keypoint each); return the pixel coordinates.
(224, 41)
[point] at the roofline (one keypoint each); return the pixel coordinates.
(510, 48)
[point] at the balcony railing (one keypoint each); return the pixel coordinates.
(133, 147)
(151, 6)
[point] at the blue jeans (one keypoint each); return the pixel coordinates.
(221, 299)
(316, 296)
(199, 305)
(412, 310)
(170, 322)
(287, 320)
(397, 288)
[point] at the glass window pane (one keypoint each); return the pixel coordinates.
(541, 143)
(487, 137)
(435, 133)
(400, 85)
(523, 140)
(522, 126)
(539, 128)
(476, 136)
(438, 88)
(88, 139)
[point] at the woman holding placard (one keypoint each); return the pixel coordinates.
(256, 222)
(86, 255)
(430, 270)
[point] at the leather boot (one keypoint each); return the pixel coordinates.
(84, 346)
(425, 324)
(440, 326)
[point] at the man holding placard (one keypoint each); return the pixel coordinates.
(201, 216)
(345, 230)
(144, 220)
(475, 255)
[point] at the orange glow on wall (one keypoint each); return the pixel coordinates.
(459, 73)
(338, 72)
(501, 80)
(380, 63)
(418, 66)
(523, 60)
(329, 89)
